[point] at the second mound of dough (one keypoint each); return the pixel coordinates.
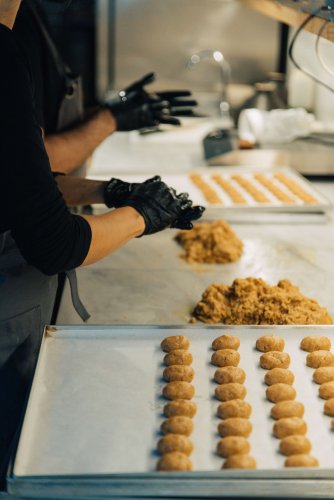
(211, 243)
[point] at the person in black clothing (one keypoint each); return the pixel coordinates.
(40, 237)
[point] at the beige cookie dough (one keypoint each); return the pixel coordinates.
(226, 392)
(178, 373)
(178, 425)
(234, 408)
(179, 390)
(268, 343)
(316, 359)
(210, 243)
(180, 407)
(326, 390)
(174, 461)
(274, 359)
(294, 445)
(228, 374)
(280, 392)
(279, 376)
(287, 409)
(323, 374)
(289, 426)
(240, 462)
(315, 343)
(232, 445)
(301, 461)
(329, 407)
(175, 442)
(225, 357)
(226, 342)
(235, 427)
(175, 342)
(252, 301)
(178, 357)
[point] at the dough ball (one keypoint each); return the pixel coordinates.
(274, 359)
(232, 445)
(279, 376)
(315, 343)
(228, 374)
(240, 462)
(174, 461)
(235, 427)
(332, 424)
(280, 392)
(179, 373)
(176, 342)
(287, 409)
(326, 390)
(177, 425)
(268, 343)
(178, 390)
(301, 461)
(294, 445)
(234, 408)
(180, 407)
(178, 357)
(329, 407)
(225, 357)
(323, 374)
(175, 442)
(226, 342)
(289, 426)
(316, 359)
(226, 392)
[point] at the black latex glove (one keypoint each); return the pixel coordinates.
(159, 204)
(133, 108)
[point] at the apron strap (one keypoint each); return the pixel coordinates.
(76, 301)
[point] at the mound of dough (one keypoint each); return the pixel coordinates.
(183, 373)
(240, 462)
(326, 390)
(234, 408)
(177, 425)
(313, 343)
(174, 461)
(317, 359)
(233, 445)
(251, 301)
(268, 343)
(211, 243)
(178, 390)
(323, 374)
(329, 407)
(287, 409)
(235, 427)
(294, 445)
(290, 426)
(180, 407)
(280, 392)
(175, 342)
(228, 392)
(228, 374)
(225, 357)
(226, 342)
(274, 359)
(178, 357)
(279, 376)
(175, 442)
(301, 461)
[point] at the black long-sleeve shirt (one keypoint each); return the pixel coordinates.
(31, 206)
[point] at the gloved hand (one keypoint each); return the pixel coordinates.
(159, 204)
(133, 108)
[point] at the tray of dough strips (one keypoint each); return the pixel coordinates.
(242, 189)
(187, 411)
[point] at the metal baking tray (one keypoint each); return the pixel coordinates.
(92, 422)
(182, 182)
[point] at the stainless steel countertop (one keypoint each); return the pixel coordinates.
(147, 283)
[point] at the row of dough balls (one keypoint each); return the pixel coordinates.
(235, 426)
(320, 358)
(289, 427)
(175, 446)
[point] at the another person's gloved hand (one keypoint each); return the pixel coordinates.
(133, 108)
(159, 204)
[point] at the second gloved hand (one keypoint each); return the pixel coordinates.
(159, 204)
(134, 108)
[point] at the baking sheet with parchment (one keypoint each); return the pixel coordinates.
(96, 404)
